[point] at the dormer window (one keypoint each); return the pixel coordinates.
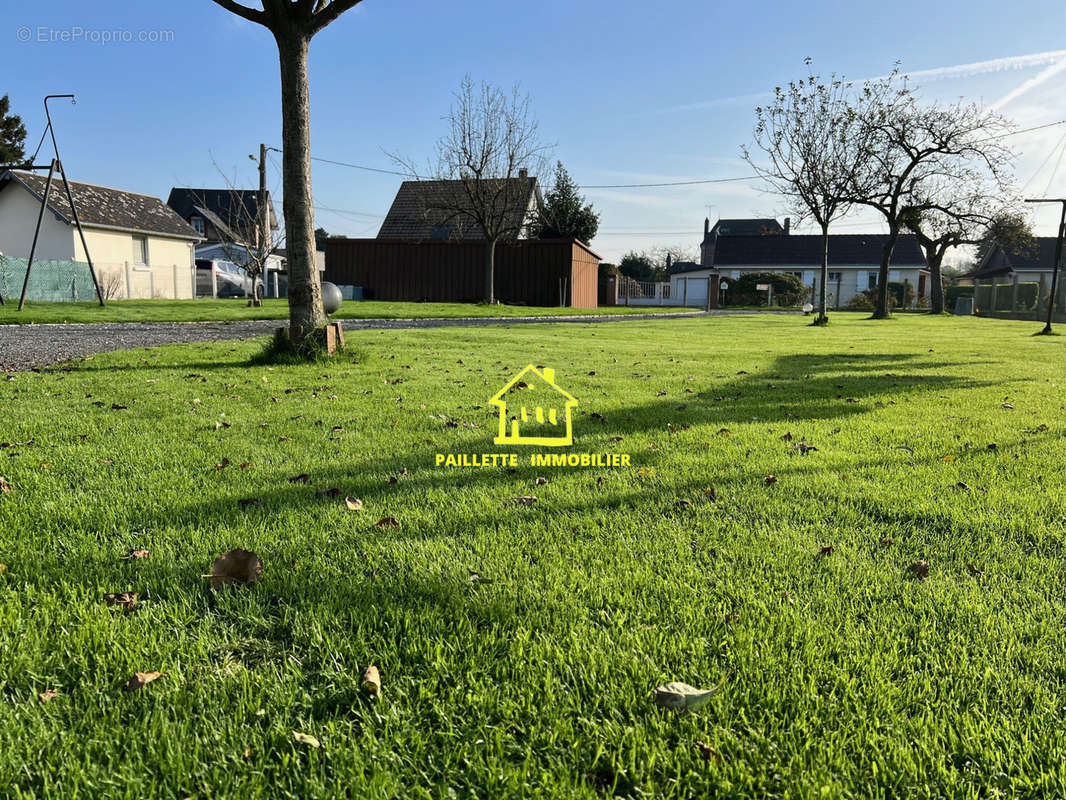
(197, 224)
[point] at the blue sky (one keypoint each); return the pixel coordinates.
(628, 92)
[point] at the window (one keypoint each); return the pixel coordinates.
(871, 278)
(197, 224)
(836, 277)
(140, 249)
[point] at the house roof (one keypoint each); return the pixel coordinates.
(766, 226)
(433, 209)
(1018, 258)
(860, 249)
(547, 376)
(238, 208)
(102, 207)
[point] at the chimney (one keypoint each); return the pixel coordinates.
(706, 226)
(549, 375)
(788, 224)
(523, 173)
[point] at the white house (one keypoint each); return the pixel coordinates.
(139, 247)
(854, 260)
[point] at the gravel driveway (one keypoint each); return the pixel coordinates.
(28, 346)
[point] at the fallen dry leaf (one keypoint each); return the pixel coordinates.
(682, 697)
(306, 738)
(237, 567)
(540, 481)
(388, 522)
(828, 550)
(353, 503)
(221, 465)
(126, 600)
(248, 502)
(920, 570)
(5, 487)
(330, 492)
(135, 554)
(372, 681)
(247, 465)
(770, 480)
(48, 694)
(303, 477)
(977, 573)
(140, 680)
(708, 752)
(886, 542)
(710, 493)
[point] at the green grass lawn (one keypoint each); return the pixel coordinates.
(209, 310)
(518, 644)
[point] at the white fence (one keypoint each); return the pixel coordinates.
(688, 292)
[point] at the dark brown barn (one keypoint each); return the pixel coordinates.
(530, 272)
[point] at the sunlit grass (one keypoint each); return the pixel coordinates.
(518, 644)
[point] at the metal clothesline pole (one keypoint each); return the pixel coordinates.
(1058, 260)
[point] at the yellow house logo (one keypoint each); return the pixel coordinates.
(555, 420)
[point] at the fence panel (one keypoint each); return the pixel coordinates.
(54, 281)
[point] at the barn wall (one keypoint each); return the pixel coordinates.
(528, 272)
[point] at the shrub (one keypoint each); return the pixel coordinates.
(861, 302)
(788, 290)
(868, 299)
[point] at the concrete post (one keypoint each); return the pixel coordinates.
(174, 270)
(129, 282)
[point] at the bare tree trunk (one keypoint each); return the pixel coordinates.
(936, 285)
(882, 308)
(823, 294)
(305, 287)
(490, 271)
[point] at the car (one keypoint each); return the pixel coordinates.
(216, 278)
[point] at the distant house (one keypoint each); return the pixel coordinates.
(1017, 263)
(427, 210)
(222, 215)
(854, 259)
(767, 226)
(135, 240)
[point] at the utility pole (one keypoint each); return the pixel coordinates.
(1058, 260)
(264, 211)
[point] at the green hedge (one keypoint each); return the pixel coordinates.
(953, 293)
(788, 289)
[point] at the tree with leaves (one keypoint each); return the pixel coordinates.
(564, 214)
(484, 174)
(812, 149)
(638, 266)
(293, 23)
(1009, 229)
(923, 160)
(12, 134)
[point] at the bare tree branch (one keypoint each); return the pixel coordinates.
(251, 14)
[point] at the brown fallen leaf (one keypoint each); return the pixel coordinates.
(333, 491)
(221, 465)
(977, 573)
(540, 481)
(118, 407)
(135, 554)
(683, 503)
(388, 522)
(770, 480)
(284, 438)
(353, 503)
(920, 570)
(48, 694)
(126, 600)
(140, 680)
(372, 681)
(235, 567)
(828, 550)
(886, 542)
(248, 502)
(247, 465)
(303, 477)
(525, 500)
(787, 437)
(5, 487)
(708, 752)
(711, 494)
